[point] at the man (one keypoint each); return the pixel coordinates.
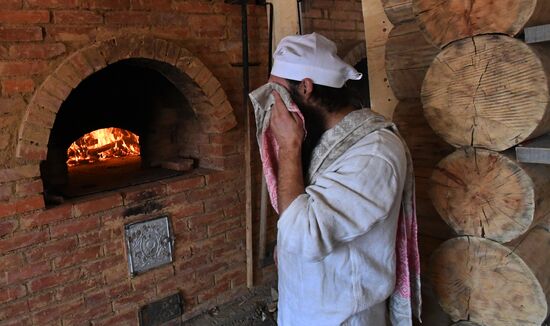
(339, 192)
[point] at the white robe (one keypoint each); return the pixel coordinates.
(336, 242)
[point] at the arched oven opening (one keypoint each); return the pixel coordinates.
(124, 125)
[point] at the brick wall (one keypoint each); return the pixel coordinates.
(339, 20)
(67, 265)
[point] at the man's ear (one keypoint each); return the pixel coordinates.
(307, 87)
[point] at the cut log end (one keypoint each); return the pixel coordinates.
(482, 281)
(483, 193)
(489, 91)
(446, 21)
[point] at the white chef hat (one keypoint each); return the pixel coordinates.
(311, 56)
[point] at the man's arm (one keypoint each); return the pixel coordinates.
(287, 128)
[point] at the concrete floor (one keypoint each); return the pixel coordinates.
(248, 310)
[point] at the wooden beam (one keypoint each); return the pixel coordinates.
(377, 28)
(285, 19)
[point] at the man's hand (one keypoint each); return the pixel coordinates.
(286, 126)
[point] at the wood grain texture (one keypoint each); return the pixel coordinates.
(489, 91)
(398, 11)
(488, 194)
(446, 21)
(408, 57)
(377, 28)
(487, 283)
(427, 149)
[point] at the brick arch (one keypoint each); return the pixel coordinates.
(203, 91)
(356, 54)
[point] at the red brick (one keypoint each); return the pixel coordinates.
(53, 3)
(128, 18)
(31, 151)
(115, 247)
(53, 280)
(204, 193)
(12, 4)
(51, 249)
(187, 210)
(12, 293)
(77, 257)
(64, 309)
(21, 68)
(205, 219)
(236, 235)
(20, 34)
(91, 269)
(344, 25)
(21, 240)
(105, 4)
(346, 15)
(29, 204)
(24, 16)
(71, 33)
(170, 19)
(6, 192)
(47, 216)
(219, 202)
(10, 261)
(230, 274)
(7, 226)
(77, 288)
(97, 204)
(116, 273)
(135, 299)
(141, 193)
(184, 183)
(151, 4)
(17, 86)
(27, 271)
(77, 17)
(96, 312)
(74, 226)
(13, 310)
(193, 7)
(28, 187)
(223, 226)
(41, 300)
(213, 292)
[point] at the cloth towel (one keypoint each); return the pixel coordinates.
(406, 300)
(269, 148)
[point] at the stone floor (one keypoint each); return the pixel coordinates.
(252, 309)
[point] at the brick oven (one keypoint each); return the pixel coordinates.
(164, 70)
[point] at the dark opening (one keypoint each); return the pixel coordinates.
(130, 95)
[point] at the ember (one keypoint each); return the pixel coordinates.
(103, 144)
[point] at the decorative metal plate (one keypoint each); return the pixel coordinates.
(150, 244)
(161, 311)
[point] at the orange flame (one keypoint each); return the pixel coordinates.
(101, 145)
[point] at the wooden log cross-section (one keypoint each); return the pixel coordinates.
(488, 194)
(446, 21)
(398, 11)
(408, 57)
(488, 283)
(490, 91)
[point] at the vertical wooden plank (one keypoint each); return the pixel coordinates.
(285, 19)
(377, 28)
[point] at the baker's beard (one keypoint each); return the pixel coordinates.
(314, 122)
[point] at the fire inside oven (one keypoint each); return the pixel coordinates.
(124, 125)
(102, 145)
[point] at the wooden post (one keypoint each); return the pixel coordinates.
(377, 28)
